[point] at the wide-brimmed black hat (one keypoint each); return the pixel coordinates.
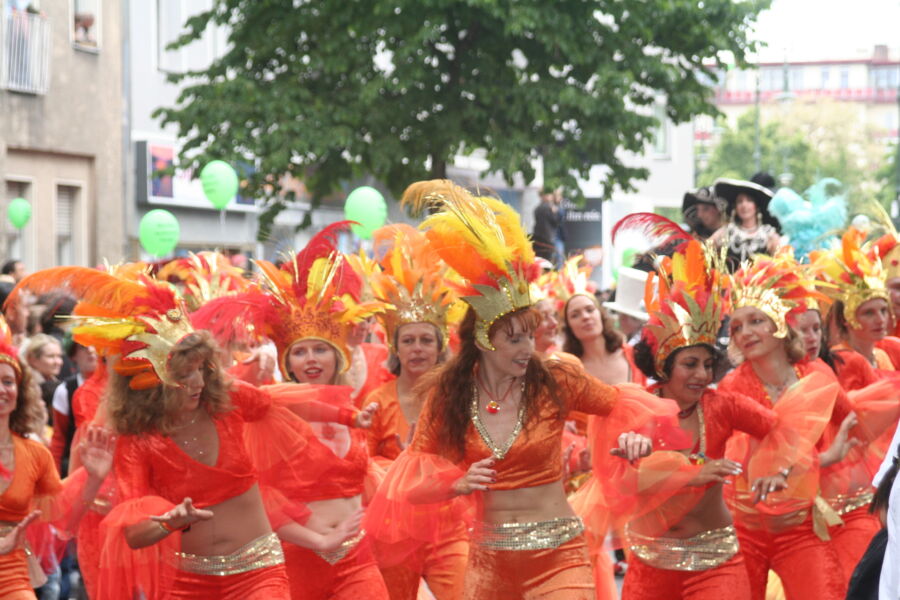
(728, 189)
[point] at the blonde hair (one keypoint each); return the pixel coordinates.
(133, 412)
(34, 348)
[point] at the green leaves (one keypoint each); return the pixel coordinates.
(332, 91)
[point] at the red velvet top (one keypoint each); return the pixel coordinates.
(154, 464)
(535, 456)
(743, 380)
(335, 477)
(891, 347)
(853, 370)
(727, 412)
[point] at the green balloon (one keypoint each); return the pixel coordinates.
(159, 232)
(366, 206)
(19, 212)
(220, 183)
(628, 255)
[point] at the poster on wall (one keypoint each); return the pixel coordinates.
(582, 225)
(180, 188)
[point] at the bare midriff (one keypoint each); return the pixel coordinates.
(236, 522)
(327, 514)
(527, 505)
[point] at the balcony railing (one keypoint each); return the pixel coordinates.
(25, 52)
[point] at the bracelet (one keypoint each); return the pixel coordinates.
(165, 527)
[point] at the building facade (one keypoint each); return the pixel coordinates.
(61, 137)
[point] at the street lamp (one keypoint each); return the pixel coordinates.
(785, 98)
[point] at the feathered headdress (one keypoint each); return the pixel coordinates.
(314, 295)
(140, 321)
(573, 279)
(482, 239)
(778, 286)
(8, 353)
(850, 273)
(411, 280)
(685, 300)
(204, 277)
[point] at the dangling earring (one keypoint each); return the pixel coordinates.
(758, 219)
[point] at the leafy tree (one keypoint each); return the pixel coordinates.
(329, 91)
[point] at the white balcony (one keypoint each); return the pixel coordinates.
(25, 52)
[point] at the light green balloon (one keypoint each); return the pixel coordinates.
(19, 212)
(159, 232)
(366, 206)
(220, 183)
(628, 255)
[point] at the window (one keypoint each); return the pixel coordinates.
(11, 239)
(661, 131)
(86, 24)
(170, 20)
(845, 78)
(66, 201)
(796, 78)
(826, 74)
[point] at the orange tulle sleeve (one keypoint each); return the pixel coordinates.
(306, 401)
(128, 573)
(877, 409)
(803, 413)
(626, 493)
(415, 504)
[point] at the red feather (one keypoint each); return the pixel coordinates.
(321, 245)
(656, 228)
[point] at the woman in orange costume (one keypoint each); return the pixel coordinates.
(861, 313)
(687, 548)
(493, 419)
(787, 531)
(29, 479)
(308, 310)
(190, 448)
(411, 281)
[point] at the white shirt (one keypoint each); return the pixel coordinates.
(61, 396)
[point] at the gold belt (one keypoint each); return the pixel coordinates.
(848, 503)
(334, 556)
(262, 552)
(701, 552)
(538, 535)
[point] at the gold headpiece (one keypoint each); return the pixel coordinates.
(411, 280)
(314, 295)
(481, 238)
(140, 320)
(850, 274)
(777, 286)
(685, 301)
(204, 276)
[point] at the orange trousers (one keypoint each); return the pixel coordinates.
(14, 581)
(442, 565)
(562, 573)
(354, 577)
(728, 580)
(851, 539)
(807, 566)
(269, 583)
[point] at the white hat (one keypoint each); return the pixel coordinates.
(630, 294)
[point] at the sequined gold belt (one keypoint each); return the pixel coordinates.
(538, 535)
(262, 552)
(334, 556)
(701, 552)
(844, 504)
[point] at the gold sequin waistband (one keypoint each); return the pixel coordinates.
(538, 535)
(844, 504)
(335, 556)
(701, 552)
(262, 552)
